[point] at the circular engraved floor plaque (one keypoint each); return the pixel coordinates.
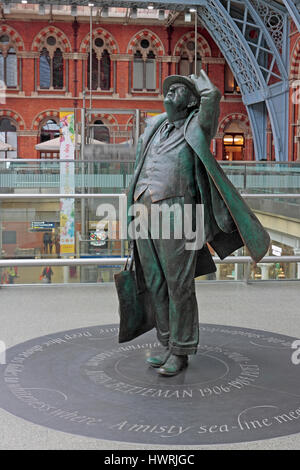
(241, 386)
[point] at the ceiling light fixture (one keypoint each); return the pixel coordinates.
(74, 10)
(161, 14)
(133, 13)
(6, 8)
(187, 17)
(42, 9)
(104, 12)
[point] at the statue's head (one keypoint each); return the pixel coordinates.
(181, 96)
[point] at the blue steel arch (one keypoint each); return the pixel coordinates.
(260, 67)
(293, 7)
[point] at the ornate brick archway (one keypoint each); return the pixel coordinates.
(241, 119)
(62, 39)
(154, 40)
(202, 44)
(39, 118)
(15, 117)
(14, 36)
(109, 41)
(295, 62)
(107, 119)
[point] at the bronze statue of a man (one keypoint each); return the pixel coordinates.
(174, 167)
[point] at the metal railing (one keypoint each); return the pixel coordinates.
(109, 172)
(103, 195)
(120, 261)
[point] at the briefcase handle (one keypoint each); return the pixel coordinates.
(130, 258)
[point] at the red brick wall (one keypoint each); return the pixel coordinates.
(29, 107)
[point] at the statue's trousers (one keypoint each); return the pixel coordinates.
(169, 275)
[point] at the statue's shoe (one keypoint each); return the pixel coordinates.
(159, 360)
(173, 365)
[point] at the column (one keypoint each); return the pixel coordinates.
(114, 72)
(248, 155)
(27, 141)
(28, 71)
(265, 267)
(122, 70)
(218, 272)
(297, 253)
(238, 267)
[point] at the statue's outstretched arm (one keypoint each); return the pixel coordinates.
(209, 109)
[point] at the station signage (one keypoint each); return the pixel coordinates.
(42, 226)
(276, 250)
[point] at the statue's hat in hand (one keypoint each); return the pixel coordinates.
(191, 82)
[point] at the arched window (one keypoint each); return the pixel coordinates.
(58, 69)
(187, 59)
(144, 67)
(45, 69)
(51, 65)
(101, 66)
(8, 135)
(100, 131)
(49, 130)
(105, 71)
(8, 62)
(95, 73)
(234, 142)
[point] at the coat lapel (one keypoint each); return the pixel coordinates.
(144, 141)
(251, 231)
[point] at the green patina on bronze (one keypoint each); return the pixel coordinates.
(166, 271)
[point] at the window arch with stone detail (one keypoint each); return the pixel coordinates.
(51, 44)
(101, 66)
(185, 52)
(46, 125)
(103, 47)
(10, 45)
(49, 129)
(235, 135)
(145, 48)
(8, 135)
(104, 127)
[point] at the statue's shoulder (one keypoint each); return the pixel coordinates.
(192, 120)
(153, 121)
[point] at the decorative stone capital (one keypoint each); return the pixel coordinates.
(28, 54)
(29, 133)
(213, 60)
(121, 57)
(74, 55)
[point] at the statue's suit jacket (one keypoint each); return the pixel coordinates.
(228, 220)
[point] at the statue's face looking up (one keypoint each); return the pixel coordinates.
(177, 101)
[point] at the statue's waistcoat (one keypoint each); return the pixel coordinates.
(168, 168)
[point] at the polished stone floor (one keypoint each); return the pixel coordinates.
(27, 313)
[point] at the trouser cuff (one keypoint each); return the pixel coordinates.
(183, 351)
(175, 349)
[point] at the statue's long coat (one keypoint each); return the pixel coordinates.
(234, 223)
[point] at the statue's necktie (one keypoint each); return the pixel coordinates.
(165, 132)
